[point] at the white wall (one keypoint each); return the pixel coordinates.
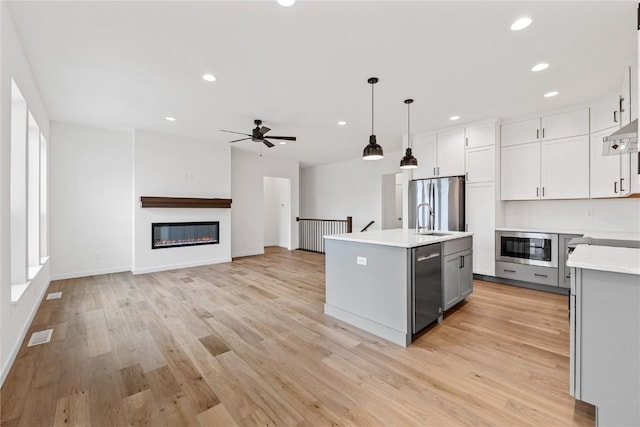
(611, 215)
(349, 188)
(247, 173)
(172, 166)
(277, 212)
(91, 200)
(15, 318)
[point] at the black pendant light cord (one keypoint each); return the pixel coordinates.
(409, 125)
(372, 132)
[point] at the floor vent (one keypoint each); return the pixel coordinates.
(54, 295)
(40, 337)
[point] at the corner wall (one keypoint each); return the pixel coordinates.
(91, 201)
(247, 209)
(171, 166)
(15, 318)
(350, 188)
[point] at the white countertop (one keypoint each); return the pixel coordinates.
(606, 258)
(399, 237)
(617, 235)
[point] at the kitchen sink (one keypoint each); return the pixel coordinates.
(434, 233)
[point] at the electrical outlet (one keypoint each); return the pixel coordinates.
(590, 212)
(361, 260)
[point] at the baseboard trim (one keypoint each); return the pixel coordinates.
(88, 273)
(248, 253)
(521, 284)
(16, 348)
(396, 337)
(179, 266)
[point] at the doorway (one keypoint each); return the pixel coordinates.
(277, 211)
(392, 201)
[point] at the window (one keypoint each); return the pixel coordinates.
(28, 198)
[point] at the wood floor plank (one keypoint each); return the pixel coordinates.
(247, 343)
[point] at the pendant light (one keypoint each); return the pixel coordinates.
(408, 161)
(372, 151)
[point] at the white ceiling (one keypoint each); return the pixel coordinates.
(125, 65)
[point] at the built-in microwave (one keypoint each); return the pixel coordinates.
(527, 248)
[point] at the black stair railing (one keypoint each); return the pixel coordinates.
(311, 231)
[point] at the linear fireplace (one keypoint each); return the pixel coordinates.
(175, 234)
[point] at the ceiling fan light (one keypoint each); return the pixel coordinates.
(373, 150)
(408, 161)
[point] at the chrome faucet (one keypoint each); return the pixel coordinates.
(431, 217)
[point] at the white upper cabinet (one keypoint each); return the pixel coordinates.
(565, 168)
(520, 172)
(605, 113)
(610, 175)
(520, 132)
(565, 125)
(450, 153)
(424, 149)
(625, 98)
(481, 164)
(480, 136)
(554, 126)
(439, 155)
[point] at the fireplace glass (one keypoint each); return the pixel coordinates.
(174, 234)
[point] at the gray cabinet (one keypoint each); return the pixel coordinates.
(564, 272)
(457, 272)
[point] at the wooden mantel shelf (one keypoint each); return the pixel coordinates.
(183, 202)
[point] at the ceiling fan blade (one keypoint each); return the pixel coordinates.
(286, 138)
(236, 140)
(230, 131)
(264, 130)
(267, 143)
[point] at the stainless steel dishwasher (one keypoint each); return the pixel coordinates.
(426, 285)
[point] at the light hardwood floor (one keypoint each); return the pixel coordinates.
(247, 343)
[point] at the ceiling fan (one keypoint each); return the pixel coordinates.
(258, 135)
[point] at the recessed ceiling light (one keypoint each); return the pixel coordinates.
(550, 94)
(454, 117)
(539, 67)
(170, 119)
(342, 123)
(283, 142)
(286, 3)
(521, 24)
(209, 77)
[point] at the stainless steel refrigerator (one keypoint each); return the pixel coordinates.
(446, 198)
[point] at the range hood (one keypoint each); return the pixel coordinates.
(622, 141)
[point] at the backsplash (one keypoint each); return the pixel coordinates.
(618, 215)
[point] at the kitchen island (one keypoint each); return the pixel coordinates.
(605, 329)
(370, 278)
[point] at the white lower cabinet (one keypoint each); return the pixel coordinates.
(481, 221)
(610, 175)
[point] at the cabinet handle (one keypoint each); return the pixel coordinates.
(615, 117)
(621, 189)
(461, 261)
(466, 176)
(542, 191)
(540, 275)
(537, 191)
(434, 171)
(508, 271)
(466, 141)
(466, 227)
(543, 132)
(615, 187)
(621, 101)
(537, 133)
(568, 276)
(438, 170)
